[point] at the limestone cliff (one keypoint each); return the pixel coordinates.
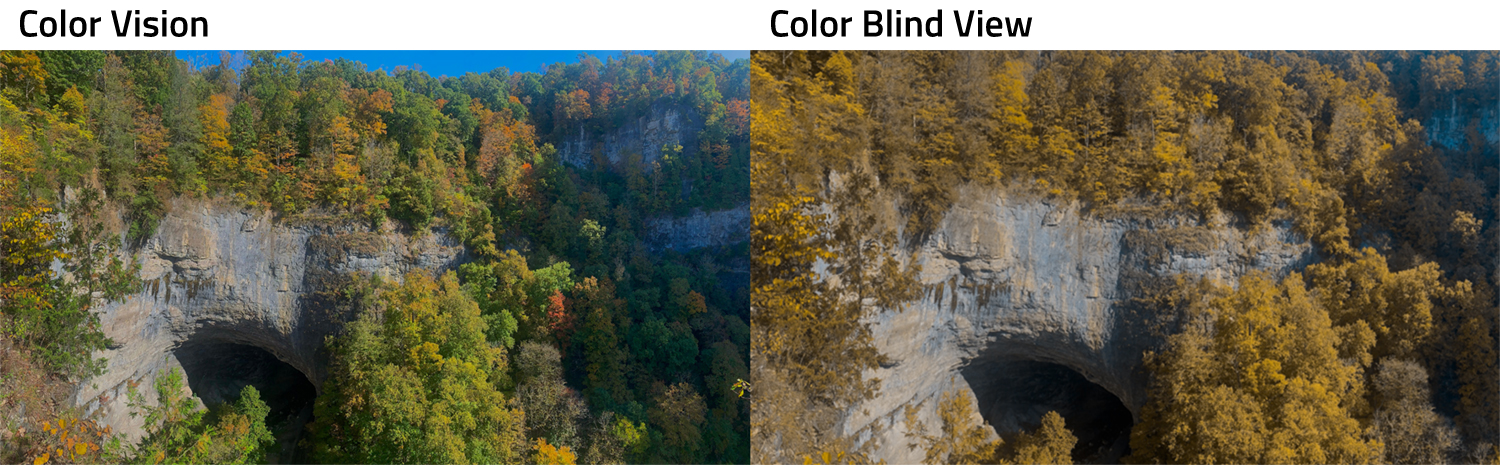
(700, 229)
(1010, 281)
(1450, 128)
(214, 276)
(220, 281)
(662, 125)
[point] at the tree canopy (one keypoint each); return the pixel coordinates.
(1380, 159)
(99, 146)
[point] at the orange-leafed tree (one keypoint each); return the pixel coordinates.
(221, 164)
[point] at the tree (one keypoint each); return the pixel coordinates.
(50, 313)
(114, 106)
(604, 359)
(1255, 377)
(412, 380)
(963, 440)
(614, 438)
(1012, 134)
(23, 77)
(182, 118)
(1404, 419)
(179, 432)
(810, 345)
(546, 454)
(1397, 307)
(1051, 443)
(1478, 396)
(679, 416)
(553, 411)
(412, 195)
(71, 70)
(220, 165)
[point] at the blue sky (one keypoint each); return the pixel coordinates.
(444, 62)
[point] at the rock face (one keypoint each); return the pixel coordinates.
(1450, 129)
(216, 277)
(700, 229)
(663, 125)
(1018, 286)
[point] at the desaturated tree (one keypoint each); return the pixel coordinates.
(1404, 419)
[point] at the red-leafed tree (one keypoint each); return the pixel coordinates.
(738, 113)
(559, 320)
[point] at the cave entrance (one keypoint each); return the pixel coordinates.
(217, 371)
(1013, 395)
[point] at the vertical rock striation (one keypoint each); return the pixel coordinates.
(664, 125)
(217, 277)
(1011, 280)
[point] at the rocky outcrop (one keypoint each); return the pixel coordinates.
(663, 125)
(698, 230)
(1450, 129)
(1008, 279)
(220, 276)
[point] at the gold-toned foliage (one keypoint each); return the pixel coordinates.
(1254, 378)
(813, 208)
(961, 439)
(859, 154)
(965, 440)
(69, 439)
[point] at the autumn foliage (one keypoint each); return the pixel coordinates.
(98, 147)
(1379, 159)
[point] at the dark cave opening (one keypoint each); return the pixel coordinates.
(217, 371)
(1013, 395)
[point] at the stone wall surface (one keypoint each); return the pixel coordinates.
(700, 229)
(1450, 129)
(663, 125)
(217, 275)
(1006, 279)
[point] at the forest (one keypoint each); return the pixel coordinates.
(1383, 351)
(562, 339)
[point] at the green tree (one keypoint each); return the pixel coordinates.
(601, 344)
(412, 380)
(177, 431)
(113, 108)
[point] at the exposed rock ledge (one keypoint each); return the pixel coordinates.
(645, 136)
(700, 229)
(217, 275)
(1008, 280)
